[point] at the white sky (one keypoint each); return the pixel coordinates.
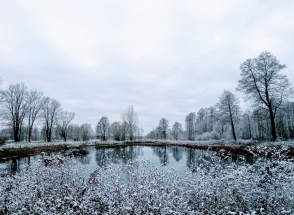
(167, 58)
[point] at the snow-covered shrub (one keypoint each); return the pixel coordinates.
(140, 188)
(208, 136)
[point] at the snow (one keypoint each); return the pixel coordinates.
(69, 143)
(54, 143)
(61, 189)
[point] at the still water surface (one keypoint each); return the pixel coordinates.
(179, 158)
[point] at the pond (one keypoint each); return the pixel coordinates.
(179, 158)
(169, 180)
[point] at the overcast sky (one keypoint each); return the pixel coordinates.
(167, 58)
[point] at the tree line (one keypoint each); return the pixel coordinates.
(270, 117)
(127, 129)
(29, 115)
(23, 110)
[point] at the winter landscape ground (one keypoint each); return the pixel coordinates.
(58, 187)
(147, 107)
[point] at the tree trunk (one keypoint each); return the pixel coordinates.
(131, 137)
(233, 131)
(63, 135)
(48, 135)
(16, 132)
(273, 125)
(232, 124)
(30, 134)
(15, 135)
(104, 135)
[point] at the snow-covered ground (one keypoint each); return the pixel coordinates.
(281, 149)
(54, 143)
(136, 189)
(11, 144)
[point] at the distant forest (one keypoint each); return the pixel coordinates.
(28, 115)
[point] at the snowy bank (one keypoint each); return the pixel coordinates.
(135, 188)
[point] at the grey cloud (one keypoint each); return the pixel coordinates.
(166, 58)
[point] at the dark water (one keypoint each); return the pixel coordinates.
(179, 158)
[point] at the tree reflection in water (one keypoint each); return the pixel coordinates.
(15, 165)
(175, 157)
(177, 153)
(100, 157)
(85, 159)
(162, 154)
(117, 155)
(191, 159)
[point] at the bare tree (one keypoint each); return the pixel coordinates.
(86, 131)
(177, 130)
(151, 135)
(36, 133)
(163, 124)
(158, 132)
(211, 118)
(130, 117)
(116, 130)
(289, 118)
(102, 128)
(221, 124)
(261, 123)
(51, 109)
(246, 125)
(191, 125)
(36, 101)
(229, 110)
(262, 83)
(64, 119)
(141, 133)
(202, 120)
(124, 130)
(15, 106)
(74, 132)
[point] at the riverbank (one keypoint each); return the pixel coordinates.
(25, 149)
(280, 150)
(59, 186)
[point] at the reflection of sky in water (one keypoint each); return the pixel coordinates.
(178, 158)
